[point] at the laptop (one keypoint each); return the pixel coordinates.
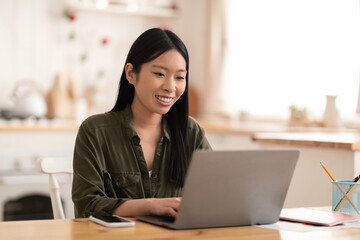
(232, 188)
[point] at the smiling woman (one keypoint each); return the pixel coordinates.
(133, 160)
(159, 85)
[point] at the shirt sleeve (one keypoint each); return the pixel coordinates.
(91, 180)
(196, 136)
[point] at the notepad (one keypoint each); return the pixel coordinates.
(316, 217)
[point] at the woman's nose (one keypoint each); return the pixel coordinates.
(169, 84)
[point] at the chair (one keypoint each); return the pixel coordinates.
(53, 166)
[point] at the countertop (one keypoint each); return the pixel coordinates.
(282, 133)
(252, 127)
(38, 125)
(259, 131)
(337, 140)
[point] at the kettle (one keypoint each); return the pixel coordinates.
(29, 101)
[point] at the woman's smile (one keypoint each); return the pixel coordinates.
(164, 100)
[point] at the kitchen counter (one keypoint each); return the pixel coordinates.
(282, 133)
(72, 128)
(251, 127)
(257, 131)
(338, 148)
(336, 140)
(40, 125)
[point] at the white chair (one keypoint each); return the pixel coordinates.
(53, 166)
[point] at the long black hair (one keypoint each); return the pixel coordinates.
(148, 46)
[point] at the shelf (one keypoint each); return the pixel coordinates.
(125, 10)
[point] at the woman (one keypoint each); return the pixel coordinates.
(133, 160)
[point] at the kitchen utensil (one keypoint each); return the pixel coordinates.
(29, 100)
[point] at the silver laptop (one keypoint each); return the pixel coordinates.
(232, 188)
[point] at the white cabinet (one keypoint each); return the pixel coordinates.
(19, 149)
(310, 185)
(223, 141)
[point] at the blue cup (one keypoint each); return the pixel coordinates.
(340, 203)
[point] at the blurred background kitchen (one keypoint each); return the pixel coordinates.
(255, 65)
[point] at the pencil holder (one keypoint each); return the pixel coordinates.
(340, 203)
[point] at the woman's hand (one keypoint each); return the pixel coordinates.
(164, 206)
(149, 206)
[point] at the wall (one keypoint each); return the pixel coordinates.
(38, 42)
(192, 28)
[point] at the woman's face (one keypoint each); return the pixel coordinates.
(159, 84)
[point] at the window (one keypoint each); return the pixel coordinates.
(285, 52)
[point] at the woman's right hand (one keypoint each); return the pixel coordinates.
(164, 206)
(149, 206)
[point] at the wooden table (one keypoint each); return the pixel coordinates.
(77, 229)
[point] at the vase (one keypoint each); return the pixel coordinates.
(331, 114)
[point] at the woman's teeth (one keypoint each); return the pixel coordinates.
(164, 99)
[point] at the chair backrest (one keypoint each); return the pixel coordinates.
(53, 166)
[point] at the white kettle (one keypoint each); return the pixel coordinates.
(29, 101)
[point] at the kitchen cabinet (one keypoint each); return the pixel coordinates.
(20, 146)
(227, 141)
(311, 186)
(337, 148)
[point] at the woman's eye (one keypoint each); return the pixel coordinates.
(159, 74)
(180, 78)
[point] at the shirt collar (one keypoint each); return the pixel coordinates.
(130, 130)
(128, 122)
(166, 128)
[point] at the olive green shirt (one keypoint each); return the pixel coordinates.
(110, 168)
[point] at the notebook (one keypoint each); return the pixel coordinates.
(232, 188)
(316, 217)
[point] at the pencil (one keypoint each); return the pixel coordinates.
(341, 190)
(349, 193)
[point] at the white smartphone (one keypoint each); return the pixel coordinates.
(112, 221)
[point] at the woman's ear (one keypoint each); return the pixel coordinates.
(129, 71)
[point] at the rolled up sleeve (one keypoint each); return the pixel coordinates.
(91, 182)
